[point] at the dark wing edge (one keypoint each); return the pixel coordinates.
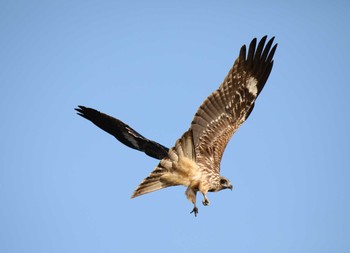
(259, 61)
(222, 113)
(123, 133)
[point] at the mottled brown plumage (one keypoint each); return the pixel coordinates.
(194, 161)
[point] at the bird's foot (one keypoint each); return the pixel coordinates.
(206, 201)
(195, 211)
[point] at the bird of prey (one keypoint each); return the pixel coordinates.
(194, 161)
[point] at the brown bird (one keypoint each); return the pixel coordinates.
(194, 161)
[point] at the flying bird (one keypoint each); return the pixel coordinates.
(194, 161)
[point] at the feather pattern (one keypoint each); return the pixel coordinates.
(194, 161)
(223, 112)
(178, 168)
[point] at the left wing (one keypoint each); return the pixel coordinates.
(122, 132)
(222, 113)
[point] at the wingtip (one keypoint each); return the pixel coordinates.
(271, 40)
(79, 111)
(254, 40)
(80, 107)
(274, 47)
(265, 37)
(252, 46)
(242, 53)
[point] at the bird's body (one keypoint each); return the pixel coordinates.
(194, 161)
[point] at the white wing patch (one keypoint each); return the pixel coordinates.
(252, 86)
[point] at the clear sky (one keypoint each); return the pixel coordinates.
(65, 185)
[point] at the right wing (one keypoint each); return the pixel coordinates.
(222, 113)
(123, 132)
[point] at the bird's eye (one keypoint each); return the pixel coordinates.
(223, 181)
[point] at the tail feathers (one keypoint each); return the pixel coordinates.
(153, 182)
(165, 174)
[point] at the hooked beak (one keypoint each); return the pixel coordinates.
(231, 187)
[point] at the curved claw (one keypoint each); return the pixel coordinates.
(205, 202)
(195, 211)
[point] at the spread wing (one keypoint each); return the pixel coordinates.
(124, 133)
(222, 113)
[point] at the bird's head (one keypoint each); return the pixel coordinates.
(221, 184)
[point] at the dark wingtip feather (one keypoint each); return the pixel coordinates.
(271, 54)
(263, 54)
(80, 108)
(251, 51)
(267, 49)
(81, 111)
(242, 53)
(259, 60)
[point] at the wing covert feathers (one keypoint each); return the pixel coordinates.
(222, 113)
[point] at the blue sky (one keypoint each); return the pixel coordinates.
(65, 185)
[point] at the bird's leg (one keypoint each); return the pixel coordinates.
(191, 196)
(203, 188)
(205, 201)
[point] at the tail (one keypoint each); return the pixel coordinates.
(166, 173)
(154, 182)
